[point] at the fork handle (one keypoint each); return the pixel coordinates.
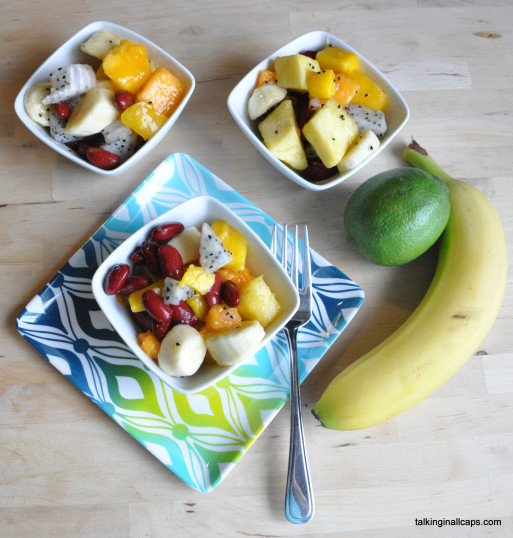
(299, 505)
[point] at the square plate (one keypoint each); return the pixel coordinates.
(260, 261)
(199, 436)
(397, 111)
(69, 53)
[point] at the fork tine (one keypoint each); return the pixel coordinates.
(307, 268)
(284, 249)
(295, 258)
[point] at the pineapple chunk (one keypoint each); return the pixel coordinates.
(94, 112)
(341, 61)
(258, 302)
(234, 241)
(100, 43)
(331, 130)
(369, 94)
(280, 133)
(197, 279)
(291, 71)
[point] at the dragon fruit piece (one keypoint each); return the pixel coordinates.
(213, 254)
(368, 118)
(58, 132)
(115, 131)
(70, 81)
(124, 147)
(174, 292)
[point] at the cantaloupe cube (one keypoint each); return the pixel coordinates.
(266, 76)
(163, 90)
(280, 134)
(330, 131)
(291, 71)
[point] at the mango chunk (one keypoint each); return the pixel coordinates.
(234, 241)
(369, 93)
(340, 60)
(321, 84)
(127, 65)
(143, 119)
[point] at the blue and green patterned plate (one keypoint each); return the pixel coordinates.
(200, 436)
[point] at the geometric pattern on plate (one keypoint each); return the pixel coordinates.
(200, 436)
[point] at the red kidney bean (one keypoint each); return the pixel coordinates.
(230, 293)
(101, 158)
(165, 232)
(309, 53)
(123, 99)
(316, 171)
(156, 307)
(182, 313)
(137, 257)
(116, 278)
(160, 329)
(134, 283)
(213, 296)
(150, 251)
(171, 263)
(143, 320)
(62, 110)
(82, 148)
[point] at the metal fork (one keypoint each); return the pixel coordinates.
(299, 505)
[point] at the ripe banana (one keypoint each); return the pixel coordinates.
(452, 319)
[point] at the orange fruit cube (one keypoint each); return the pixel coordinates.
(163, 90)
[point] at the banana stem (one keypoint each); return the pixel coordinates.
(418, 157)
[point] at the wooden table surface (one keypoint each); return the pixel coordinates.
(68, 470)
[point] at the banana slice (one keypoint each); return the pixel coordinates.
(93, 113)
(263, 98)
(182, 351)
(364, 145)
(33, 101)
(187, 244)
(237, 344)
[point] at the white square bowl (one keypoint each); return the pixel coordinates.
(397, 111)
(70, 53)
(260, 261)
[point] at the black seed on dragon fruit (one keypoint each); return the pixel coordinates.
(173, 293)
(119, 139)
(212, 253)
(368, 118)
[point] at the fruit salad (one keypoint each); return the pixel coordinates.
(318, 113)
(106, 112)
(192, 297)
